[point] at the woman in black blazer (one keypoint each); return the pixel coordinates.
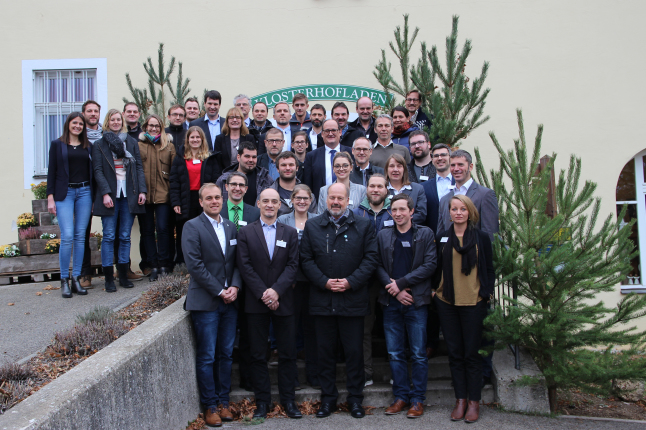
(399, 182)
(234, 131)
(192, 167)
(69, 197)
(464, 283)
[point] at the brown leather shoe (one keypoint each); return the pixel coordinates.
(225, 413)
(416, 410)
(132, 276)
(211, 418)
(459, 410)
(86, 282)
(146, 271)
(473, 412)
(396, 407)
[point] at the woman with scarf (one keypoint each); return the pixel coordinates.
(120, 194)
(402, 127)
(465, 281)
(157, 153)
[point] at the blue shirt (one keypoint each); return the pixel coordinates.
(273, 170)
(443, 185)
(270, 236)
(214, 128)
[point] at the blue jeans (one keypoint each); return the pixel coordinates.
(398, 321)
(73, 215)
(215, 334)
(126, 219)
(157, 219)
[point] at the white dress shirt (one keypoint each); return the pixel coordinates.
(218, 227)
(328, 163)
(288, 137)
(443, 185)
(464, 188)
(393, 192)
(314, 139)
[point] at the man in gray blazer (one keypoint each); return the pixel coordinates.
(209, 245)
(483, 198)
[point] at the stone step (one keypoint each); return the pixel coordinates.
(378, 395)
(438, 369)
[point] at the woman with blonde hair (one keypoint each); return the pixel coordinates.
(157, 153)
(120, 194)
(193, 167)
(233, 133)
(464, 283)
(399, 182)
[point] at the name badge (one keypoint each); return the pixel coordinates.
(389, 223)
(242, 222)
(281, 243)
(451, 187)
(423, 178)
(233, 242)
(197, 161)
(406, 244)
(444, 239)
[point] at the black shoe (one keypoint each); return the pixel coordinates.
(65, 288)
(357, 411)
(124, 282)
(261, 410)
(165, 271)
(76, 286)
(325, 410)
(108, 271)
(154, 273)
(292, 410)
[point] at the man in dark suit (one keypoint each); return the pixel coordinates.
(268, 262)
(341, 114)
(212, 122)
(318, 163)
(209, 245)
(363, 170)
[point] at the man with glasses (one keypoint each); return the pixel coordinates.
(385, 147)
(363, 170)
(176, 115)
(300, 146)
(318, 163)
(243, 102)
(421, 169)
(288, 167)
(274, 143)
(257, 178)
(366, 122)
(300, 119)
(417, 116)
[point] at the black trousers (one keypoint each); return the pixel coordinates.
(329, 330)
(462, 328)
(86, 269)
(306, 321)
(244, 347)
(285, 330)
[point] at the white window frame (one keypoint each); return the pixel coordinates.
(28, 68)
(640, 195)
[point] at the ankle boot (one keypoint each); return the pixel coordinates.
(154, 273)
(65, 288)
(122, 268)
(473, 413)
(459, 410)
(76, 286)
(108, 271)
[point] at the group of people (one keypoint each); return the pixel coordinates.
(291, 233)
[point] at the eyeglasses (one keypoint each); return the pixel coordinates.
(342, 166)
(412, 100)
(154, 126)
(445, 154)
(236, 185)
(301, 199)
(420, 143)
(179, 115)
(363, 149)
(331, 130)
(274, 141)
(299, 142)
(235, 117)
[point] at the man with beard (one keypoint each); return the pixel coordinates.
(176, 115)
(91, 111)
(257, 177)
(363, 170)
(300, 119)
(366, 122)
(131, 115)
(421, 169)
(192, 107)
(260, 124)
(243, 102)
(339, 256)
(384, 147)
(417, 116)
(212, 123)
(340, 114)
(317, 116)
(274, 144)
(288, 167)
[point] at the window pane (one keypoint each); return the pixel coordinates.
(626, 183)
(634, 277)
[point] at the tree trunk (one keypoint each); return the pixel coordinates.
(551, 392)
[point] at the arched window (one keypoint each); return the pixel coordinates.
(631, 191)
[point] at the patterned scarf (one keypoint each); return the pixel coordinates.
(117, 145)
(152, 139)
(400, 129)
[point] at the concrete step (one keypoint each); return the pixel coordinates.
(380, 395)
(438, 369)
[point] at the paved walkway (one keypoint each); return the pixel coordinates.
(29, 325)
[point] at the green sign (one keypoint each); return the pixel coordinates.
(349, 93)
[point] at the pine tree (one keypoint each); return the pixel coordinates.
(153, 99)
(561, 265)
(456, 109)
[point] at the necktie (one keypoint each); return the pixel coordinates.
(332, 152)
(236, 216)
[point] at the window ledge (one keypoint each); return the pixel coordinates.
(639, 289)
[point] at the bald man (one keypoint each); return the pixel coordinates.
(268, 261)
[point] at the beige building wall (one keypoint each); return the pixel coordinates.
(573, 66)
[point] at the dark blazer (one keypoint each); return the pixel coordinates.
(485, 202)
(370, 134)
(249, 213)
(263, 161)
(357, 177)
(204, 125)
(419, 197)
(106, 177)
(432, 202)
(412, 175)
(208, 265)
(260, 273)
(58, 170)
(314, 176)
(223, 146)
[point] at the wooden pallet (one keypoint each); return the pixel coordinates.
(35, 268)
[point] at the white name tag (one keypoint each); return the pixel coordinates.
(196, 161)
(233, 242)
(444, 239)
(242, 222)
(406, 244)
(423, 178)
(281, 243)
(389, 223)
(451, 187)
